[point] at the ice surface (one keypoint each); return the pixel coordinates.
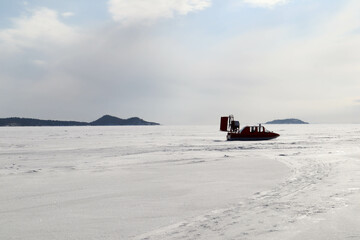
(172, 182)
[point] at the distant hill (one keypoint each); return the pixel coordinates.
(287, 121)
(15, 121)
(106, 120)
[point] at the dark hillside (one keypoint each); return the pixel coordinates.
(15, 121)
(287, 121)
(106, 120)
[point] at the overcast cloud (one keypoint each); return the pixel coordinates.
(144, 11)
(183, 62)
(266, 3)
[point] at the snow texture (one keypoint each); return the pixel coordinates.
(179, 182)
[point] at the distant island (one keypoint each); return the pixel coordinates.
(287, 121)
(105, 120)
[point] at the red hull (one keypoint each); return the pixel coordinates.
(256, 136)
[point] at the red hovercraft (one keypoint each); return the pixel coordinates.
(247, 133)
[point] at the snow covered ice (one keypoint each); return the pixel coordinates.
(179, 182)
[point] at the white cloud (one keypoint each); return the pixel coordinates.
(143, 11)
(39, 62)
(262, 74)
(42, 28)
(265, 3)
(67, 14)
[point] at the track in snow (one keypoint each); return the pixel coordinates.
(320, 182)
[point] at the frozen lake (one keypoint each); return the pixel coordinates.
(179, 182)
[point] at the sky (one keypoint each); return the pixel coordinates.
(181, 61)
